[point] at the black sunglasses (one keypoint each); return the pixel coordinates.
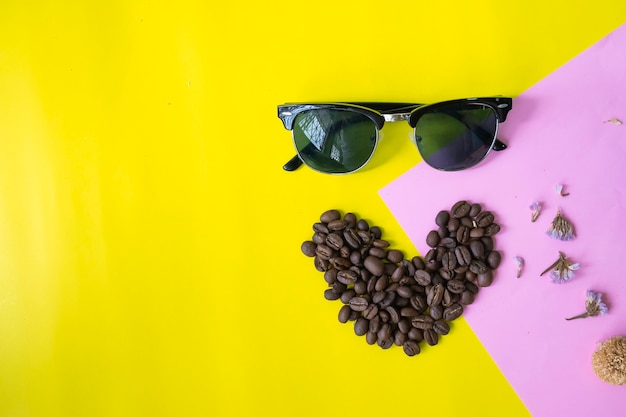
(340, 138)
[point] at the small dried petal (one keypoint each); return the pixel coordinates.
(614, 121)
(535, 209)
(519, 263)
(559, 190)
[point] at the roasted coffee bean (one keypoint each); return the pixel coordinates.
(362, 225)
(411, 348)
(347, 277)
(380, 243)
(370, 337)
(319, 238)
(330, 276)
(493, 259)
(383, 315)
(441, 327)
(443, 231)
(433, 238)
(340, 262)
(358, 303)
(453, 224)
(418, 262)
(484, 219)
(477, 248)
(463, 255)
(488, 242)
(388, 300)
(334, 240)
(474, 210)
(330, 215)
(385, 331)
(376, 232)
(467, 298)
(404, 292)
(344, 314)
(394, 316)
(463, 234)
(395, 256)
(471, 287)
(442, 218)
(365, 236)
(337, 225)
(321, 228)
(352, 238)
(404, 325)
(324, 252)
(374, 265)
(350, 219)
(476, 232)
(361, 326)
(478, 267)
(422, 322)
(379, 253)
(485, 279)
(371, 311)
(385, 343)
(453, 312)
(455, 286)
(308, 248)
(467, 222)
(446, 274)
(344, 252)
(378, 296)
(415, 334)
(422, 277)
(436, 312)
(449, 261)
(331, 295)
(347, 295)
(418, 302)
(460, 209)
(381, 283)
(409, 312)
(492, 229)
(448, 242)
(360, 287)
(435, 295)
(398, 273)
(356, 258)
(399, 338)
(375, 324)
(431, 337)
(321, 264)
(354, 315)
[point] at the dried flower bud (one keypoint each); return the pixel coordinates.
(614, 121)
(559, 190)
(519, 263)
(562, 270)
(535, 209)
(609, 361)
(561, 228)
(593, 305)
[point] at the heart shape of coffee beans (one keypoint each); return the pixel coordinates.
(394, 300)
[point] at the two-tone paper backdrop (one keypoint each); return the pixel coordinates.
(150, 257)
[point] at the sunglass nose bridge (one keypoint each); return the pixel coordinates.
(396, 117)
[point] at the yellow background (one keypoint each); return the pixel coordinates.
(150, 258)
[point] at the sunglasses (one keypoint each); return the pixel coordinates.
(340, 138)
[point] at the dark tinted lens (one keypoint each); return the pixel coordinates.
(455, 137)
(334, 141)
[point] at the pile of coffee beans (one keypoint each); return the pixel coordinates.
(392, 300)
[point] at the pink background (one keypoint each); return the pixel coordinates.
(556, 135)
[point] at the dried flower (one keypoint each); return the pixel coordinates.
(609, 361)
(561, 228)
(535, 209)
(559, 190)
(614, 121)
(519, 263)
(562, 270)
(593, 305)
